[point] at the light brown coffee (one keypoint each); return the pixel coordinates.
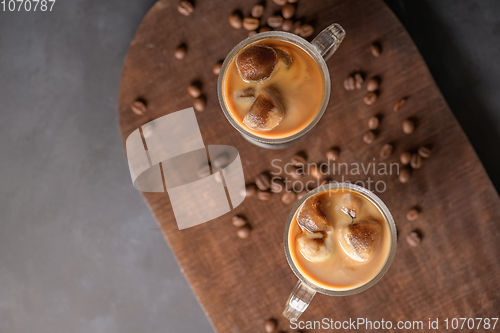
(296, 86)
(339, 240)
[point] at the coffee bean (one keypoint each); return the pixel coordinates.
(332, 154)
(305, 30)
(373, 123)
(405, 158)
(243, 232)
(250, 190)
(287, 25)
(316, 171)
(301, 194)
(180, 52)
(297, 173)
(370, 98)
(138, 107)
(194, 90)
(185, 8)
(264, 28)
(412, 215)
(358, 79)
(399, 104)
(277, 185)
(275, 21)
(413, 239)
(264, 196)
(293, 1)
(369, 137)
(199, 103)
(296, 27)
(425, 152)
(376, 49)
(350, 83)
(217, 67)
(404, 175)
(251, 33)
(373, 84)
(280, 2)
(416, 161)
(257, 11)
(235, 20)
(250, 23)
(386, 150)
(288, 11)
(270, 325)
(288, 197)
(298, 160)
(238, 221)
(262, 181)
(408, 126)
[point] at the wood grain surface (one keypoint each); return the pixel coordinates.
(455, 272)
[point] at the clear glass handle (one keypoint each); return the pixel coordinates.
(298, 301)
(328, 41)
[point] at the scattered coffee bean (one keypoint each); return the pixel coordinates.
(235, 20)
(373, 123)
(405, 158)
(296, 27)
(358, 79)
(298, 160)
(262, 181)
(200, 103)
(425, 152)
(297, 173)
(250, 23)
(293, 1)
(265, 28)
(238, 221)
(416, 161)
(251, 33)
(408, 126)
(180, 52)
(316, 171)
(243, 232)
(404, 175)
(305, 30)
(332, 154)
(194, 90)
(370, 98)
(250, 190)
(301, 194)
(264, 196)
(280, 2)
(373, 84)
(257, 10)
(350, 83)
(270, 325)
(399, 104)
(138, 107)
(369, 137)
(413, 239)
(217, 67)
(185, 8)
(288, 11)
(412, 215)
(376, 49)
(287, 25)
(386, 150)
(275, 21)
(288, 197)
(277, 186)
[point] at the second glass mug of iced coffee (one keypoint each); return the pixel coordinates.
(297, 87)
(338, 264)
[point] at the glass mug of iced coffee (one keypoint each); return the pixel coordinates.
(274, 87)
(340, 239)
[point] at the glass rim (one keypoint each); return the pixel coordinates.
(385, 213)
(304, 45)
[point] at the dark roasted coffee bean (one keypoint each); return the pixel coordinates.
(416, 161)
(185, 8)
(280, 2)
(262, 181)
(297, 173)
(264, 196)
(408, 126)
(370, 98)
(373, 123)
(404, 175)
(316, 171)
(369, 137)
(250, 190)
(296, 27)
(399, 104)
(200, 103)
(235, 20)
(257, 10)
(425, 152)
(287, 25)
(194, 90)
(288, 197)
(405, 158)
(265, 28)
(350, 83)
(238, 221)
(298, 160)
(386, 150)
(376, 49)
(277, 185)
(217, 67)
(413, 239)
(138, 107)
(305, 30)
(288, 11)
(412, 215)
(275, 21)
(293, 1)
(270, 325)
(250, 23)
(373, 84)
(180, 52)
(243, 232)
(358, 79)
(332, 154)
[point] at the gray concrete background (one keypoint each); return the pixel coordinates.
(79, 250)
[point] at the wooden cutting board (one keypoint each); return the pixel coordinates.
(455, 272)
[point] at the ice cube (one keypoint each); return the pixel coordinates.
(256, 63)
(245, 93)
(351, 205)
(315, 247)
(284, 56)
(265, 113)
(311, 217)
(361, 238)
